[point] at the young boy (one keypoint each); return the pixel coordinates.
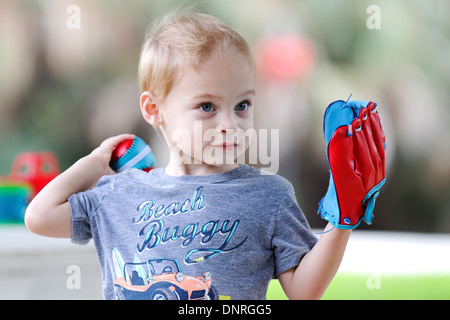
(204, 226)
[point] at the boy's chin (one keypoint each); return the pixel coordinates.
(225, 160)
(222, 157)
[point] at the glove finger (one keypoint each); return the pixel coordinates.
(364, 166)
(370, 140)
(378, 137)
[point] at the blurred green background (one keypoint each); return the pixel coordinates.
(69, 81)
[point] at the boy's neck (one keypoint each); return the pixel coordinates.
(181, 169)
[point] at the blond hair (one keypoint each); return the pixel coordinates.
(180, 40)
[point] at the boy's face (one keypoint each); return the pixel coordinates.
(208, 113)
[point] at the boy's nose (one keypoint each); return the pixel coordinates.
(226, 122)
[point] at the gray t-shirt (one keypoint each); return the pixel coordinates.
(191, 237)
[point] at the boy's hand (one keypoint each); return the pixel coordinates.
(103, 152)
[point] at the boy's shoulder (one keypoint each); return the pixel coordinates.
(110, 182)
(268, 180)
(266, 175)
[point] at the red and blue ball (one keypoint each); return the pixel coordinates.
(132, 154)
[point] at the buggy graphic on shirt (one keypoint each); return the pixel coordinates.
(159, 279)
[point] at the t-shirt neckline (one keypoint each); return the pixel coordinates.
(212, 178)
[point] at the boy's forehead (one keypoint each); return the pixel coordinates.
(226, 63)
(222, 55)
(218, 74)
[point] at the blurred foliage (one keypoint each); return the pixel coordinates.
(66, 90)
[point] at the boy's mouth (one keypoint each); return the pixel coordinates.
(226, 145)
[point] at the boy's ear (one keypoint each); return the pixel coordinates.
(150, 110)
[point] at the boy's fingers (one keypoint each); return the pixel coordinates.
(112, 142)
(104, 151)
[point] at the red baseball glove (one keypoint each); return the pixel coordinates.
(356, 151)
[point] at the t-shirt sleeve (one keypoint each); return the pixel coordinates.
(292, 237)
(83, 205)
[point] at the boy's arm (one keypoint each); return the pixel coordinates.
(49, 213)
(311, 277)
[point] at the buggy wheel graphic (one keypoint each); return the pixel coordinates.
(119, 294)
(212, 294)
(163, 294)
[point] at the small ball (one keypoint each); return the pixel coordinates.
(132, 154)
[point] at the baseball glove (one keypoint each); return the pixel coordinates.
(356, 151)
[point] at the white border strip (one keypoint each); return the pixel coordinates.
(141, 155)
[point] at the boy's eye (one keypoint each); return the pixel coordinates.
(242, 106)
(206, 107)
